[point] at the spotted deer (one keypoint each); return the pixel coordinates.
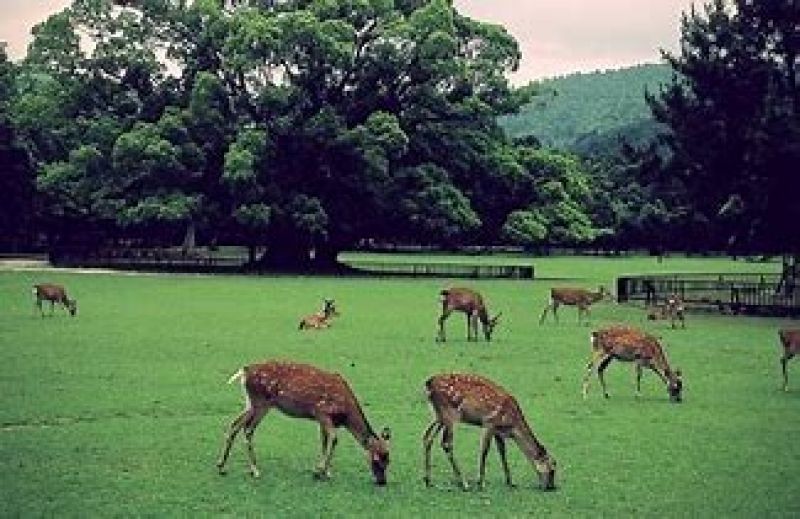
(321, 319)
(672, 309)
(790, 340)
(475, 400)
(629, 344)
(54, 294)
(471, 304)
(579, 297)
(304, 391)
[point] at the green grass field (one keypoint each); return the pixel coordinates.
(122, 410)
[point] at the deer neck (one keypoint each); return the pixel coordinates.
(359, 427)
(529, 445)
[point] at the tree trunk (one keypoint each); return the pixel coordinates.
(189, 238)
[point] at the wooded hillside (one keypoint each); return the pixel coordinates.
(588, 113)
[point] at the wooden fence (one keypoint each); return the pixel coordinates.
(767, 294)
(444, 269)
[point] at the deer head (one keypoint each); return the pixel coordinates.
(329, 307)
(603, 294)
(378, 452)
(546, 467)
(489, 325)
(674, 385)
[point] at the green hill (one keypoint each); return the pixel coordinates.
(588, 113)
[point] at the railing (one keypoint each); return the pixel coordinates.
(735, 293)
(441, 268)
(166, 258)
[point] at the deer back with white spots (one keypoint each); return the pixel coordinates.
(471, 304)
(475, 400)
(304, 391)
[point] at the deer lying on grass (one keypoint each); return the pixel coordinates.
(54, 294)
(790, 339)
(303, 391)
(475, 400)
(579, 297)
(321, 319)
(672, 309)
(470, 303)
(628, 344)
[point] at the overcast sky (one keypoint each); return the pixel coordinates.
(555, 36)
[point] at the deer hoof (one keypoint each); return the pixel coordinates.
(221, 470)
(427, 481)
(255, 473)
(464, 486)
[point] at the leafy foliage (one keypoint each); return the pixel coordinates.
(591, 113)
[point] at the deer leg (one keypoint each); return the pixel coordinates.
(427, 442)
(447, 446)
(555, 311)
(52, 308)
(596, 356)
(250, 424)
(544, 314)
(638, 374)
(233, 430)
(442, 337)
(784, 361)
(327, 433)
(486, 442)
(600, 369)
(501, 450)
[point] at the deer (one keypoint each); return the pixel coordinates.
(628, 344)
(475, 400)
(304, 391)
(55, 294)
(471, 304)
(672, 309)
(790, 340)
(579, 297)
(321, 319)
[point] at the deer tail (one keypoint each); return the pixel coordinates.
(239, 375)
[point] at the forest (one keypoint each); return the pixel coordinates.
(329, 124)
(593, 114)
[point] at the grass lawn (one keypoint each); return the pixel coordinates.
(122, 410)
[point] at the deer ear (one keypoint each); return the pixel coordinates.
(386, 434)
(678, 373)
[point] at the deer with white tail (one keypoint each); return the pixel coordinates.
(304, 391)
(471, 304)
(629, 344)
(578, 297)
(321, 319)
(475, 400)
(54, 294)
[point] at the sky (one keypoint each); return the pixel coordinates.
(556, 37)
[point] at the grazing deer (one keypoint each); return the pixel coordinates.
(475, 400)
(579, 297)
(628, 344)
(321, 319)
(471, 303)
(303, 391)
(790, 339)
(672, 309)
(54, 294)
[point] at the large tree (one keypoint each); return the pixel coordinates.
(305, 125)
(732, 110)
